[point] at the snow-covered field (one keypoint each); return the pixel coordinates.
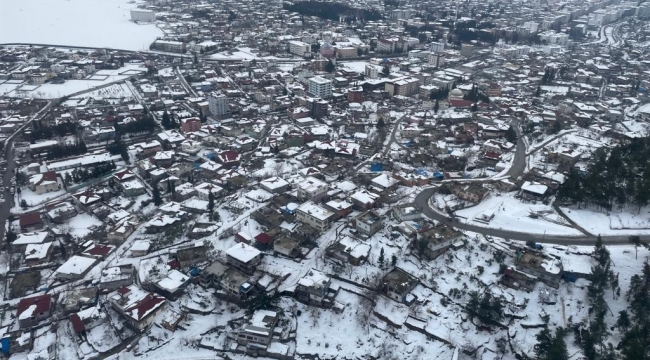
(613, 223)
(93, 23)
(115, 91)
(52, 91)
(512, 214)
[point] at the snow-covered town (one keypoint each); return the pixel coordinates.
(317, 180)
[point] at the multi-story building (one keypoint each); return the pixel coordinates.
(437, 47)
(218, 104)
(312, 189)
(321, 87)
(372, 71)
(436, 59)
(169, 46)
(315, 216)
(299, 48)
(143, 15)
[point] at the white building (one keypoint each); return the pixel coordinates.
(218, 104)
(299, 48)
(143, 15)
(314, 216)
(320, 87)
(311, 188)
(437, 47)
(372, 71)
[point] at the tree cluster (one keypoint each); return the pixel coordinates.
(168, 122)
(65, 150)
(487, 308)
(620, 178)
(80, 175)
(144, 125)
(41, 132)
(549, 76)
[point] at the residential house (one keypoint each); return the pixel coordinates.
(397, 285)
(44, 182)
(138, 307)
(172, 285)
(115, 277)
(407, 212)
(314, 215)
(435, 241)
(243, 257)
(349, 250)
(30, 222)
(33, 310)
(259, 331)
(469, 192)
(190, 255)
(274, 185)
(547, 270)
(364, 199)
(312, 189)
(368, 222)
(314, 288)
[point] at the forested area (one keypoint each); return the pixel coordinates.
(616, 178)
(594, 335)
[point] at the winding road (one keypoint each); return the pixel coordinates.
(422, 202)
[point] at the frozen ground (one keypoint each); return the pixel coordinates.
(629, 222)
(93, 23)
(512, 214)
(115, 91)
(51, 91)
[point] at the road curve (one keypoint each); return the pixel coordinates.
(422, 202)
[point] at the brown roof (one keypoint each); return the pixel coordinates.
(28, 219)
(77, 325)
(42, 302)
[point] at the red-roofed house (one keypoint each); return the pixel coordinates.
(264, 239)
(98, 251)
(31, 221)
(77, 325)
(125, 175)
(229, 158)
(138, 307)
(86, 198)
(32, 310)
(43, 183)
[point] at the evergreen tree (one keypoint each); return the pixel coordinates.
(165, 121)
(330, 67)
(381, 258)
(393, 260)
(623, 321)
(436, 107)
(210, 204)
(157, 200)
(385, 70)
(10, 236)
(538, 92)
(511, 135)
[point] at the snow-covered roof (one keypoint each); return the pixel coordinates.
(76, 265)
(37, 237)
(534, 188)
(173, 281)
(243, 252)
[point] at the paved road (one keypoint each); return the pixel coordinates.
(392, 135)
(5, 208)
(519, 163)
(422, 202)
